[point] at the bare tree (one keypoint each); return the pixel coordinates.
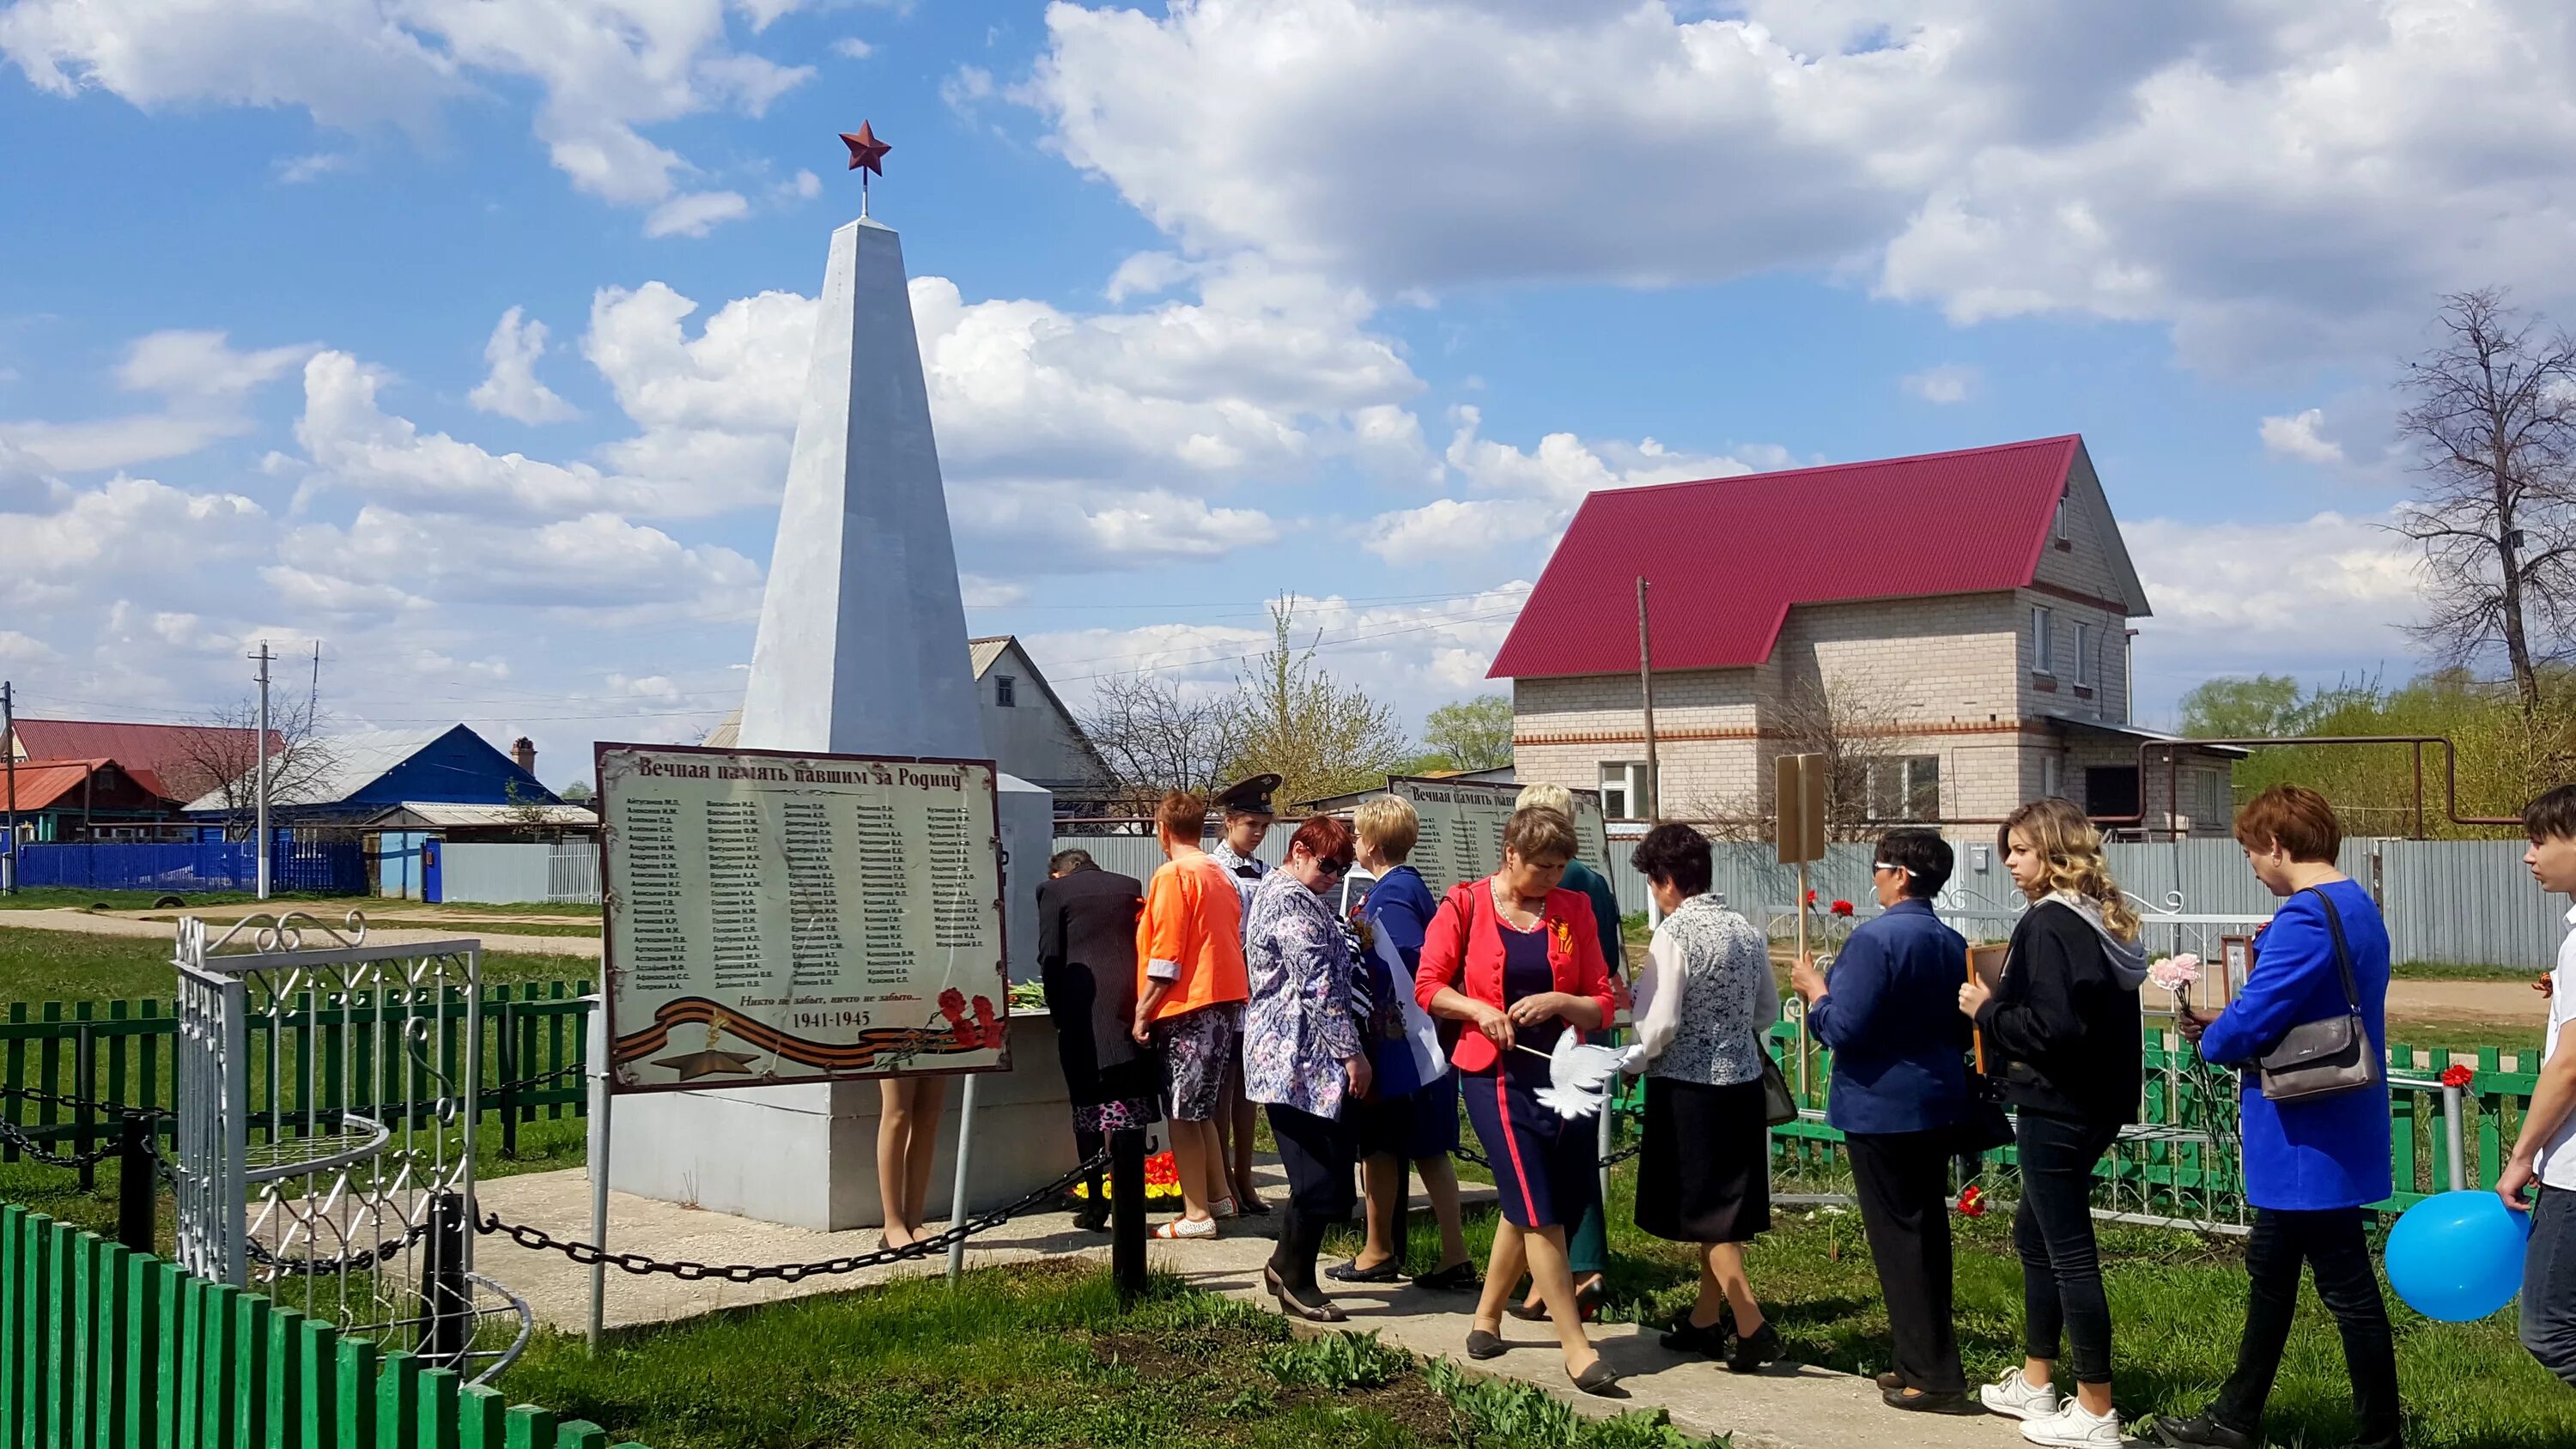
(1294, 719)
(2493, 425)
(1870, 781)
(219, 757)
(1156, 737)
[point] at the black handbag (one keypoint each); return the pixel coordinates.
(1987, 1127)
(2327, 1057)
(1779, 1106)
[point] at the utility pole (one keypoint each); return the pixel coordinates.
(1648, 801)
(259, 751)
(9, 763)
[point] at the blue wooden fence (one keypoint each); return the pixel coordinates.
(325, 867)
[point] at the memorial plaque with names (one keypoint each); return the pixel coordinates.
(774, 917)
(1462, 828)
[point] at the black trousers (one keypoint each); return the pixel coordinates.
(2061, 1265)
(1902, 1180)
(2332, 1245)
(1318, 1155)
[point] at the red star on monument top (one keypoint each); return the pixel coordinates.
(865, 149)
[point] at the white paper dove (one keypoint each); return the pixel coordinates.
(1579, 1075)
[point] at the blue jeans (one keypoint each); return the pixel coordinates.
(2549, 1283)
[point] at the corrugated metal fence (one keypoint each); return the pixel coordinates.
(2451, 902)
(510, 872)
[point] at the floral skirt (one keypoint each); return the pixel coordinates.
(1119, 1116)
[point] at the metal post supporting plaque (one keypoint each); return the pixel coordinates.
(957, 1186)
(600, 1098)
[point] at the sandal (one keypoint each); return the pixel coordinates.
(1222, 1209)
(1186, 1228)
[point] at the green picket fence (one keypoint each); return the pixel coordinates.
(2181, 1092)
(120, 1055)
(101, 1348)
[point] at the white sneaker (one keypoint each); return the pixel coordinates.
(2073, 1427)
(2014, 1397)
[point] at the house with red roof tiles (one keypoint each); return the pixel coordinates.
(1954, 628)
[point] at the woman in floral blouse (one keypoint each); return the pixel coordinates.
(1303, 1056)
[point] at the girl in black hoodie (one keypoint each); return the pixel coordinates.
(2062, 1028)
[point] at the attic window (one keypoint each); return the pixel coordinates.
(2057, 527)
(1002, 692)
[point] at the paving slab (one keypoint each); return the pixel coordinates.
(1785, 1407)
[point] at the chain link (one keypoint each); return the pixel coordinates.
(110, 1109)
(10, 1134)
(687, 1271)
(364, 1259)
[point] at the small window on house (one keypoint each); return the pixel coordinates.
(2043, 631)
(2049, 774)
(1623, 789)
(2111, 790)
(2084, 654)
(2057, 526)
(1002, 694)
(1905, 789)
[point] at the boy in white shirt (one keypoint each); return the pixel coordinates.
(2545, 1153)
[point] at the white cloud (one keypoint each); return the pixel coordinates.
(850, 47)
(2270, 178)
(510, 387)
(1951, 382)
(205, 385)
(354, 445)
(603, 68)
(965, 88)
(696, 213)
(2318, 595)
(599, 564)
(2301, 436)
(17, 648)
(297, 170)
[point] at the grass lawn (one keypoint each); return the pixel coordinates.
(77, 898)
(1035, 1356)
(73, 966)
(2437, 971)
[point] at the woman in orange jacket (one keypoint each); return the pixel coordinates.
(1519, 960)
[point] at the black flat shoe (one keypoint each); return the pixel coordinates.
(1318, 1312)
(1889, 1381)
(1092, 1217)
(1481, 1344)
(1600, 1379)
(1750, 1354)
(1587, 1305)
(1352, 1272)
(1706, 1339)
(1455, 1278)
(1921, 1402)
(2199, 1431)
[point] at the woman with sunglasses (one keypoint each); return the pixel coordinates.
(1303, 1056)
(1900, 1093)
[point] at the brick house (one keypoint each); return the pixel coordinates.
(1958, 623)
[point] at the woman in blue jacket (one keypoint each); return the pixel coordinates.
(2311, 1167)
(1900, 1091)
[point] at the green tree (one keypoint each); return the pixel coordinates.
(1290, 717)
(1476, 734)
(2267, 704)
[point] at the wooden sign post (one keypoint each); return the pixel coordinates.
(1800, 793)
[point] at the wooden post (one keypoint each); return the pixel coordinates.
(1798, 793)
(1649, 802)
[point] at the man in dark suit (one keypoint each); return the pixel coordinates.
(1087, 962)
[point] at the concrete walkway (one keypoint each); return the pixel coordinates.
(1786, 1407)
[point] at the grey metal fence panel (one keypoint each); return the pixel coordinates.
(572, 873)
(2469, 902)
(498, 873)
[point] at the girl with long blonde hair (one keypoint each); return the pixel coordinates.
(2063, 1032)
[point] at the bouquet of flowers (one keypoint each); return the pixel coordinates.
(2177, 974)
(1162, 1182)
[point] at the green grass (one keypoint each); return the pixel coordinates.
(77, 898)
(1038, 1355)
(2439, 971)
(75, 966)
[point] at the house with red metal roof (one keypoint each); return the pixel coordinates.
(172, 761)
(68, 800)
(1953, 629)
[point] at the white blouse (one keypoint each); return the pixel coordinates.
(1705, 996)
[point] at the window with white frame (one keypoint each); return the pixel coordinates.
(1623, 789)
(1005, 692)
(2051, 773)
(1908, 788)
(2057, 527)
(2084, 655)
(2043, 635)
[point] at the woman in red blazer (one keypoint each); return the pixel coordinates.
(1520, 961)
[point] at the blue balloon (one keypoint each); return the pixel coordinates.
(2457, 1256)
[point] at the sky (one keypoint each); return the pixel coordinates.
(452, 347)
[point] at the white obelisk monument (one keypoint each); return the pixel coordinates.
(862, 650)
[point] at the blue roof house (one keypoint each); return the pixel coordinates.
(372, 772)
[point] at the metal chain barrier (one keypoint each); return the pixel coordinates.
(641, 1264)
(27, 1145)
(362, 1260)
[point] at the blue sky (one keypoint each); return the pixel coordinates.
(1348, 300)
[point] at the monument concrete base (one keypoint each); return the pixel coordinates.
(806, 1155)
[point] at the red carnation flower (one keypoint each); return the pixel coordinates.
(1972, 1201)
(1842, 908)
(2457, 1074)
(1811, 898)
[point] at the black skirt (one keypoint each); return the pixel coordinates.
(1704, 1168)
